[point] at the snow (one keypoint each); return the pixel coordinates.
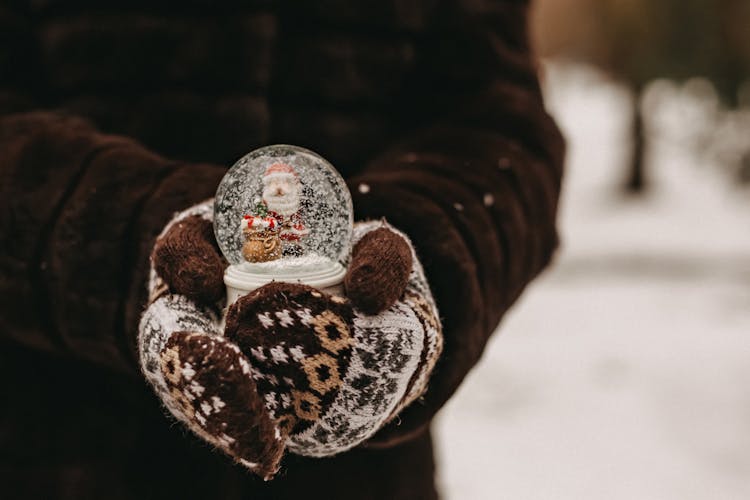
(304, 264)
(623, 372)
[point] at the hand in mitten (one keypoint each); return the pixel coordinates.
(295, 368)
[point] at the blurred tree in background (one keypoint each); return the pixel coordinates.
(638, 41)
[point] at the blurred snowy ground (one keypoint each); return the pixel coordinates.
(624, 371)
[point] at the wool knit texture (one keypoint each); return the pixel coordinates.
(190, 260)
(115, 115)
(312, 373)
(379, 271)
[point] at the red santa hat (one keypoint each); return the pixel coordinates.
(280, 171)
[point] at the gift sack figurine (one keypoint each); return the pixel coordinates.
(262, 242)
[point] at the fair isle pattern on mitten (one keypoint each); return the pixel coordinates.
(299, 342)
(205, 382)
(202, 379)
(385, 359)
(168, 313)
(330, 375)
(327, 375)
(418, 298)
(388, 351)
(395, 354)
(163, 317)
(210, 379)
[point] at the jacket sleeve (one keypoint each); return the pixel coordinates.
(79, 212)
(476, 190)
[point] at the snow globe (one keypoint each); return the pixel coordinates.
(283, 213)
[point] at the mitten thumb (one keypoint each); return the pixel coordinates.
(212, 391)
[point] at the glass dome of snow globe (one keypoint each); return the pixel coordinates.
(283, 213)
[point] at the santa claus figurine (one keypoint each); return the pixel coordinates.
(282, 194)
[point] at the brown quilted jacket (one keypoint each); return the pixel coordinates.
(115, 114)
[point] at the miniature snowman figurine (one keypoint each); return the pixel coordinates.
(295, 221)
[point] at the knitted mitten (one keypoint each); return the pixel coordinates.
(293, 368)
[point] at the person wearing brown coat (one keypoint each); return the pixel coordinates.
(115, 115)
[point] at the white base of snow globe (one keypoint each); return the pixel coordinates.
(312, 270)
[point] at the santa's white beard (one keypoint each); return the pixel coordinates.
(285, 204)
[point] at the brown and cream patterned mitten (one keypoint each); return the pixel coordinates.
(288, 367)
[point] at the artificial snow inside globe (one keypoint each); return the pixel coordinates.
(283, 213)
